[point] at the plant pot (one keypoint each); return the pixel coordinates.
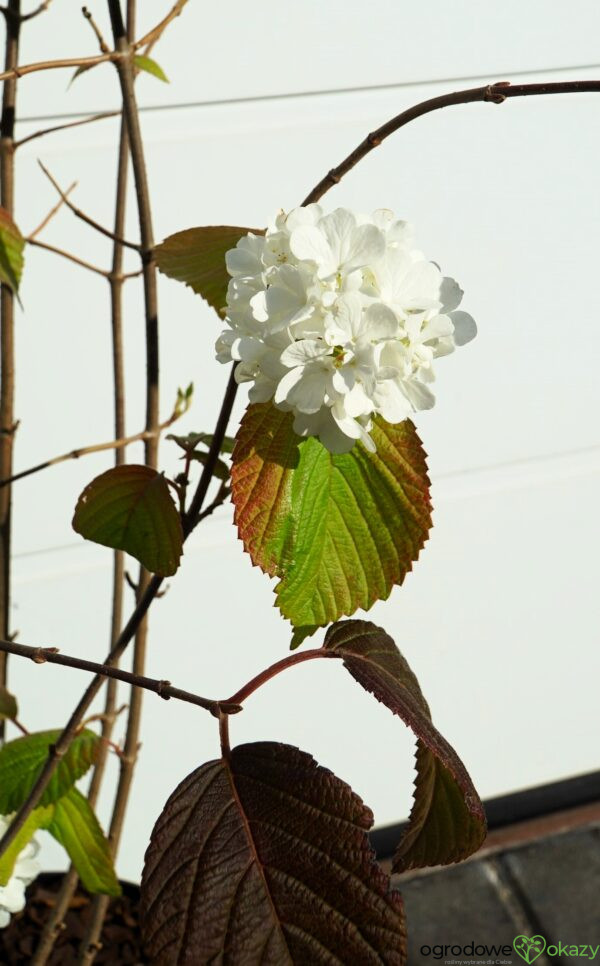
(120, 939)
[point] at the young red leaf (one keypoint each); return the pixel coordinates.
(447, 822)
(264, 859)
(339, 530)
(130, 508)
(196, 257)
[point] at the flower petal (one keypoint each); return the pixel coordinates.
(465, 327)
(309, 244)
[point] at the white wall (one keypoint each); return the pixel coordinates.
(500, 617)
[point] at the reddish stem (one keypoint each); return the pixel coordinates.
(253, 685)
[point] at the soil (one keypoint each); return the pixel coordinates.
(121, 942)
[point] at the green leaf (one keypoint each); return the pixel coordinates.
(130, 508)
(447, 822)
(263, 858)
(197, 258)
(76, 827)
(191, 441)
(8, 705)
(221, 470)
(38, 818)
(338, 530)
(12, 244)
(184, 400)
(227, 446)
(22, 760)
(150, 67)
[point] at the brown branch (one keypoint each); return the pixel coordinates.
(68, 255)
(153, 35)
(24, 69)
(116, 444)
(192, 516)
(63, 127)
(164, 689)
(104, 48)
(126, 72)
(55, 919)
(35, 13)
(495, 93)
(53, 211)
(86, 218)
(7, 338)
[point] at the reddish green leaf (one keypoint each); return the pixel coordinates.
(130, 508)
(196, 257)
(75, 826)
(12, 244)
(447, 822)
(339, 531)
(263, 859)
(22, 760)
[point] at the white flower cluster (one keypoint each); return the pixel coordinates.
(338, 317)
(12, 895)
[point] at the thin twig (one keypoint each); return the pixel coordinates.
(35, 13)
(53, 211)
(116, 444)
(86, 218)
(104, 48)
(70, 256)
(164, 689)
(153, 35)
(495, 93)
(63, 127)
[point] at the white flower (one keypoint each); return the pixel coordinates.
(12, 895)
(338, 317)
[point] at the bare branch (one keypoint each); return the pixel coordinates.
(82, 215)
(75, 454)
(63, 127)
(35, 13)
(72, 258)
(25, 69)
(122, 38)
(495, 93)
(101, 41)
(164, 689)
(8, 423)
(153, 35)
(51, 213)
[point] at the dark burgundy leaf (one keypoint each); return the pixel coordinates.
(447, 822)
(264, 859)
